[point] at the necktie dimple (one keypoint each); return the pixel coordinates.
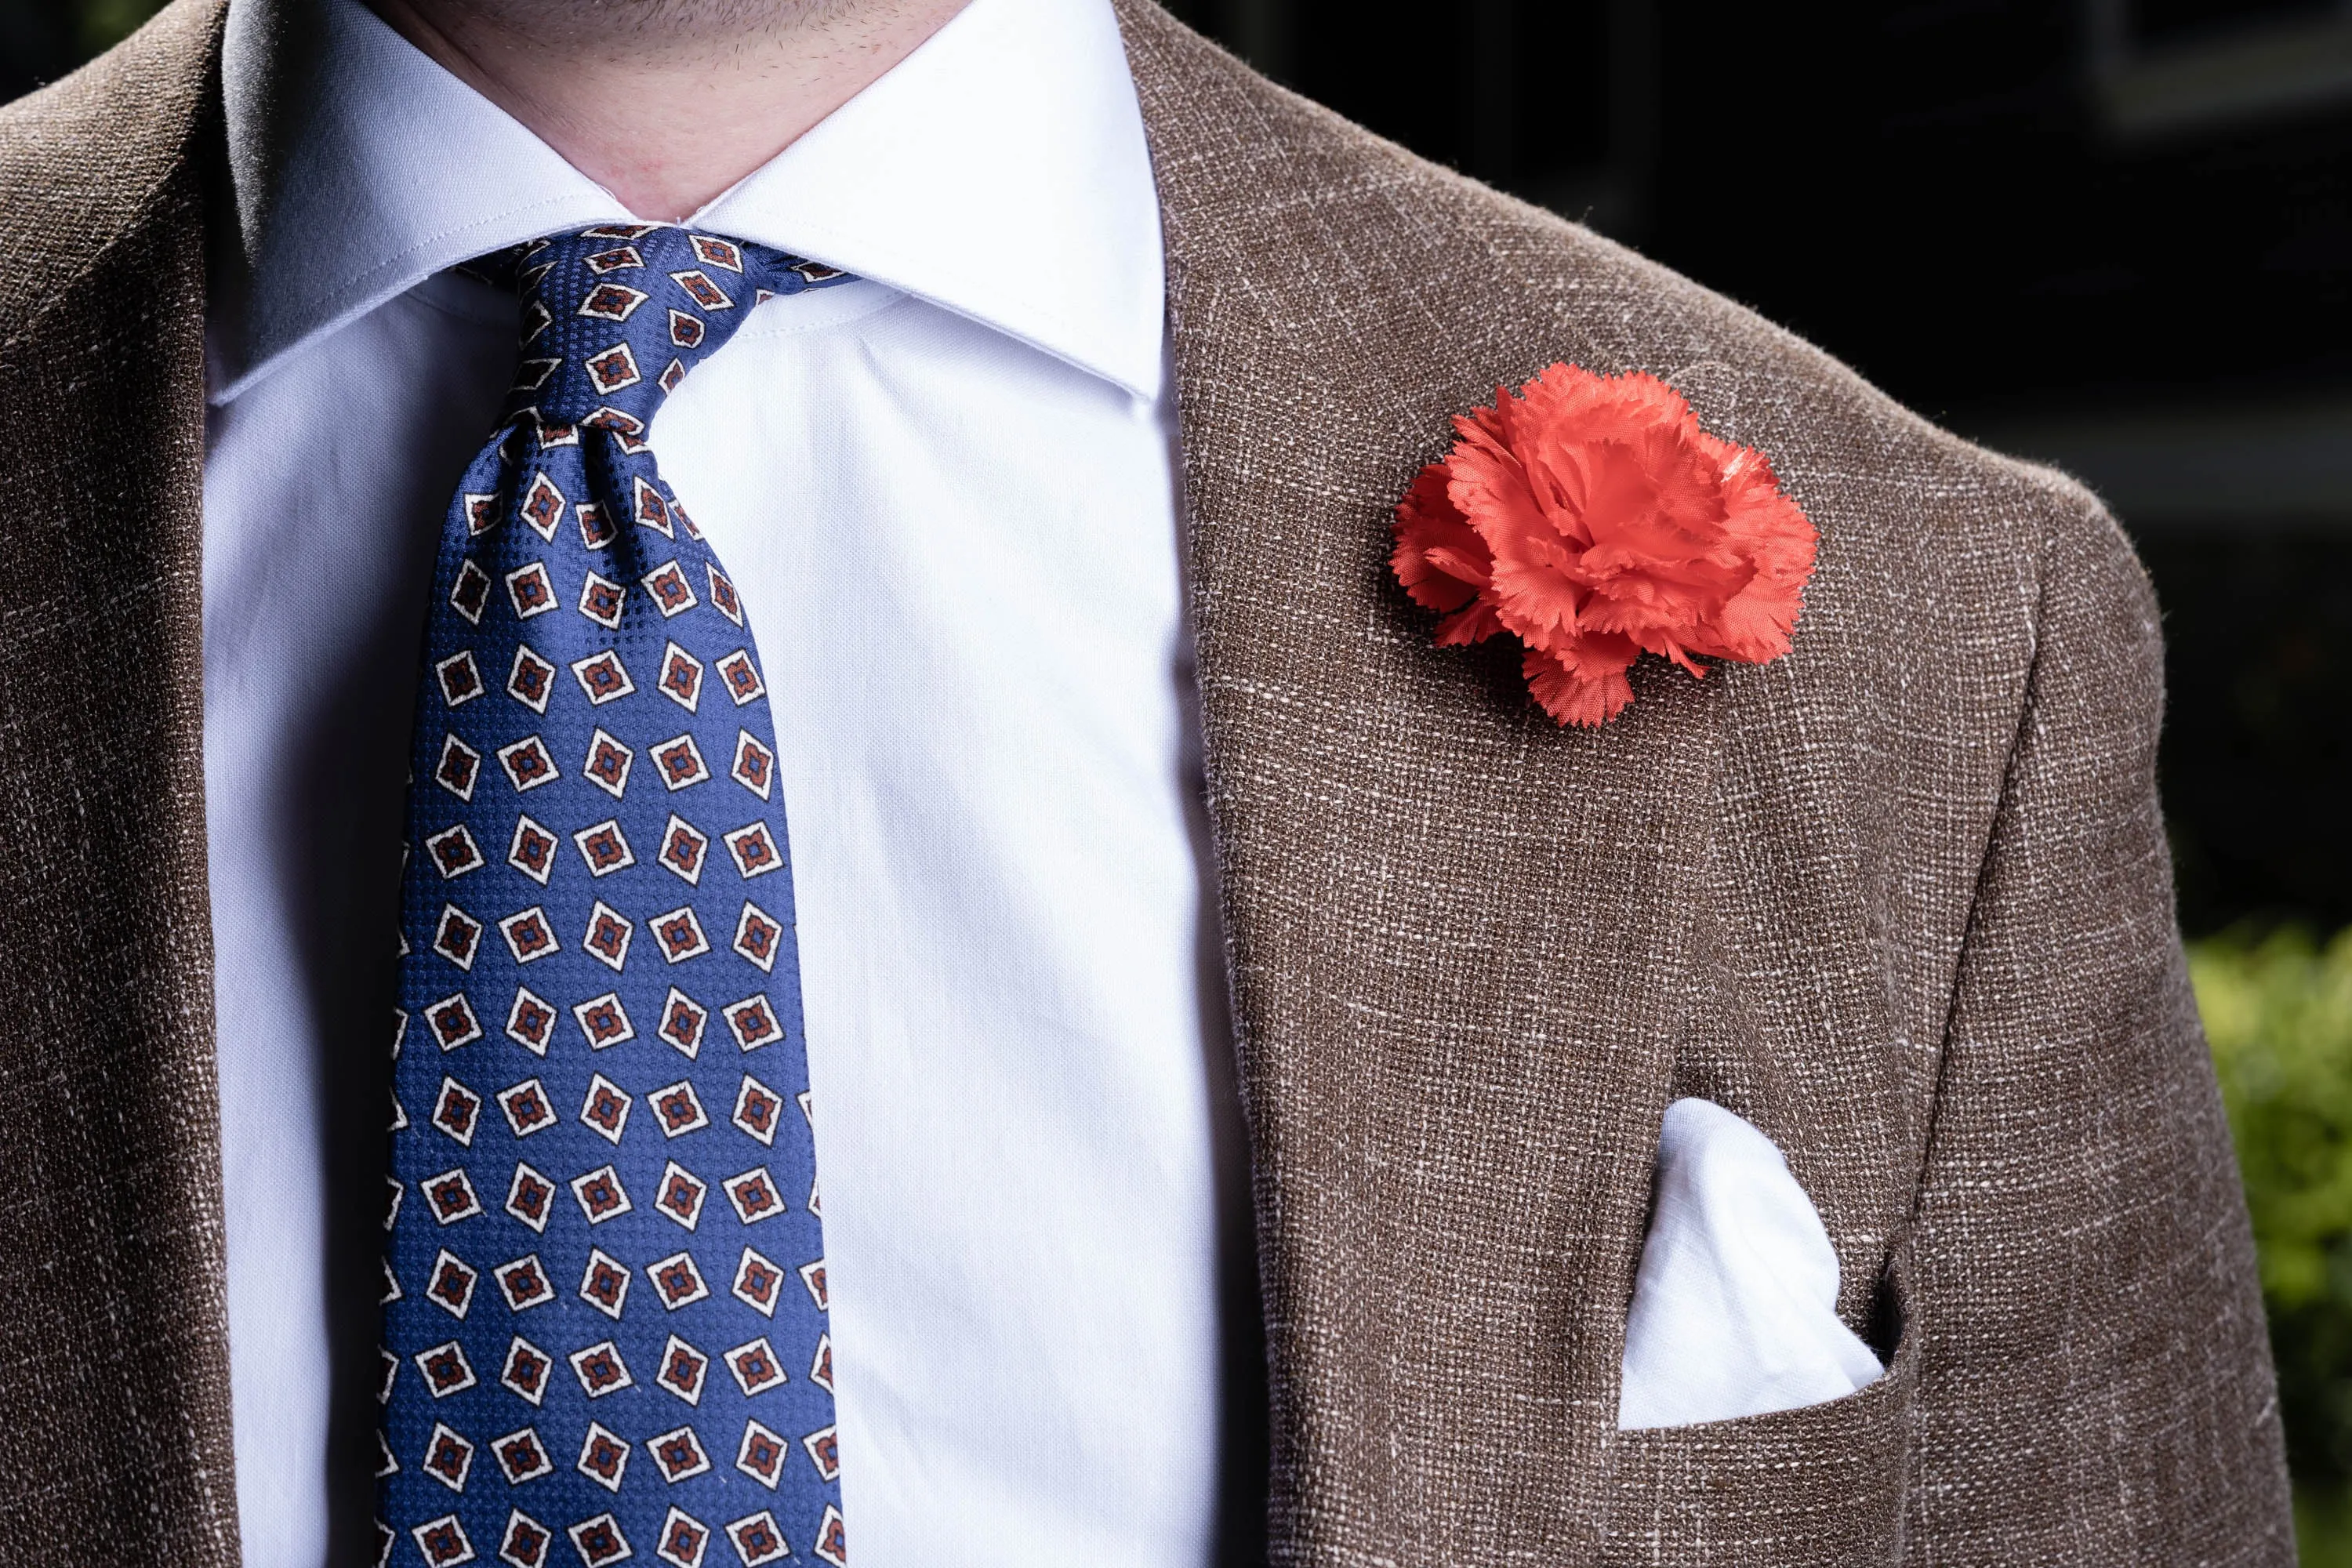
(604, 1282)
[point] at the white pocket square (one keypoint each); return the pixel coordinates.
(1735, 1308)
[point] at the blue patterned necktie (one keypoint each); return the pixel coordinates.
(604, 1291)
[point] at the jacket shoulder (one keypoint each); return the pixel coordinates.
(1428, 289)
(85, 159)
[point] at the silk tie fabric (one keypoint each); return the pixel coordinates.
(605, 1291)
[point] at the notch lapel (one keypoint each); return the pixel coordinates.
(1459, 937)
(114, 1391)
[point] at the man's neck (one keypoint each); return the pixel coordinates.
(667, 104)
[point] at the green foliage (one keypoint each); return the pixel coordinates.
(2279, 1015)
(2323, 1528)
(102, 24)
(2278, 1011)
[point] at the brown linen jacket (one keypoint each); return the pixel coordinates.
(1901, 898)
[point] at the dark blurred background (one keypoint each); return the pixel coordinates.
(2113, 234)
(43, 39)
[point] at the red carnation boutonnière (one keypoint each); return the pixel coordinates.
(1590, 518)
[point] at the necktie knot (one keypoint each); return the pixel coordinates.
(615, 316)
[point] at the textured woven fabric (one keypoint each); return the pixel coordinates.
(1901, 901)
(114, 1388)
(600, 984)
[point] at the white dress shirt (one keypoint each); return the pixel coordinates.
(948, 497)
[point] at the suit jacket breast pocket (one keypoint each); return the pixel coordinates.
(1821, 1485)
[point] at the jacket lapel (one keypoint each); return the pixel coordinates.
(1458, 937)
(114, 1391)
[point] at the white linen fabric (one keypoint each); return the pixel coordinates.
(1734, 1306)
(947, 495)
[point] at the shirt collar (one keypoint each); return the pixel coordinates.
(999, 171)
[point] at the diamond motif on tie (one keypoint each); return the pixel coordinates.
(679, 1454)
(699, 289)
(679, 931)
(684, 1539)
(443, 1542)
(757, 1109)
(682, 1192)
(469, 594)
(452, 1195)
(602, 675)
(453, 1022)
(600, 1196)
(530, 1021)
(603, 1021)
(672, 594)
(763, 1454)
(599, 1540)
(683, 846)
(604, 1283)
(755, 849)
(528, 763)
(678, 1281)
(758, 1540)
(526, 1371)
(742, 677)
(613, 369)
(682, 1022)
(613, 301)
(681, 677)
(596, 529)
(532, 850)
(758, 936)
(456, 1109)
(532, 592)
(521, 1457)
(758, 1283)
(680, 761)
(526, 1542)
(621, 896)
(679, 1108)
(524, 1283)
(528, 935)
(528, 1197)
(753, 763)
(446, 1369)
(528, 681)
(461, 681)
(755, 1367)
(824, 1450)
(527, 1108)
(459, 765)
(753, 1195)
(682, 1371)
(454, 851)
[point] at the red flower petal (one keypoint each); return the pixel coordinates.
(1584, 683)
(1438, 558)
(1590, 517)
